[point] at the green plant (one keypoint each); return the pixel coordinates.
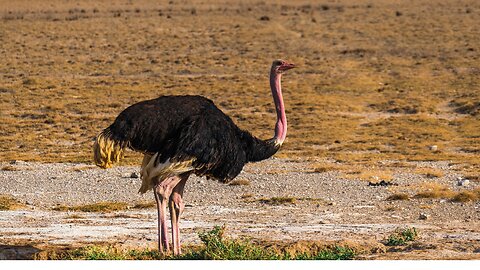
(216, 247)
(401, 237)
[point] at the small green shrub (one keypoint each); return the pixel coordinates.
(401, 237)
(219, 248)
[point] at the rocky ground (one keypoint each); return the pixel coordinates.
(325, 207)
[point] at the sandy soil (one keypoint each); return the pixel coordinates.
(328, 208)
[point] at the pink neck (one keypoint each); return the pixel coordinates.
(281, 125)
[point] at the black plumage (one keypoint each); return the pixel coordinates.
(180, 128)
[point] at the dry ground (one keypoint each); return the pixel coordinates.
(379, 82)
(281, 202)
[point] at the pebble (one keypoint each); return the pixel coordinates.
(463, 182)
(424, 216)
(18, 162)
(134, 175)
(433, 148)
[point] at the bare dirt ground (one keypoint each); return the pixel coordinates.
(385, 90)
(326, 208)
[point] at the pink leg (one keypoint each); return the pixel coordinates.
(162, 191)
(161, 222)
(176, 209)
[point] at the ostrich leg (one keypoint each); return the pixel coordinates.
(161, 217)
(162, 191)
(176, 208)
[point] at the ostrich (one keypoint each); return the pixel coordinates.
(181, 135)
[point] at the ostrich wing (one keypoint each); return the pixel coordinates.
(212, 140)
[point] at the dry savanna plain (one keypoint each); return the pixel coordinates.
(383, 148)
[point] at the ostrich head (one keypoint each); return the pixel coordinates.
(279, 66)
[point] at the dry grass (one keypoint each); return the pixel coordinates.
(144, 205)
(326, 167)
(74, 216)
(438, 191)
(96, 207)
(105, 207)
(8, 202)
(429, 172)
(240, 182)
(246, 196)
(82, 168)
(373, 176)
(277, 172)
(398, 197)
(353, 99)
(467, 196)
(434, 191)
(10, 168)
(278, 200)
(390, 209)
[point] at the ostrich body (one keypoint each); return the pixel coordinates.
(181, 135)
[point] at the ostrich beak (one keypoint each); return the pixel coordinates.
(286, 66)
(289, 66)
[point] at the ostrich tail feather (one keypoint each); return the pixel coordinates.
(106, 150)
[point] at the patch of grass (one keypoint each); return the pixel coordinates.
(95, 207)
(88, 253)
(75, 216)
(10, 168)
(334, 253)
(401, 237)
(434, 191)
(8, 202)
(277, 172)
(82, 168)
(215, 247)
(321, 168)
(144, 205)
(398, 197)
(390, 208)
(239, 182)
(278, 200)
(373, 176)
(438, 191)
(467, 196)
(429, 172)
(246, 196)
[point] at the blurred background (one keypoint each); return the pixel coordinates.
(377, 80)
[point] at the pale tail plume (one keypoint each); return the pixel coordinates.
(151, 172)
(107, 151)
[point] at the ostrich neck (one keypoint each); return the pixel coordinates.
(281, 125)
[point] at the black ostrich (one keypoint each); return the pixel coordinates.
(181, 135)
